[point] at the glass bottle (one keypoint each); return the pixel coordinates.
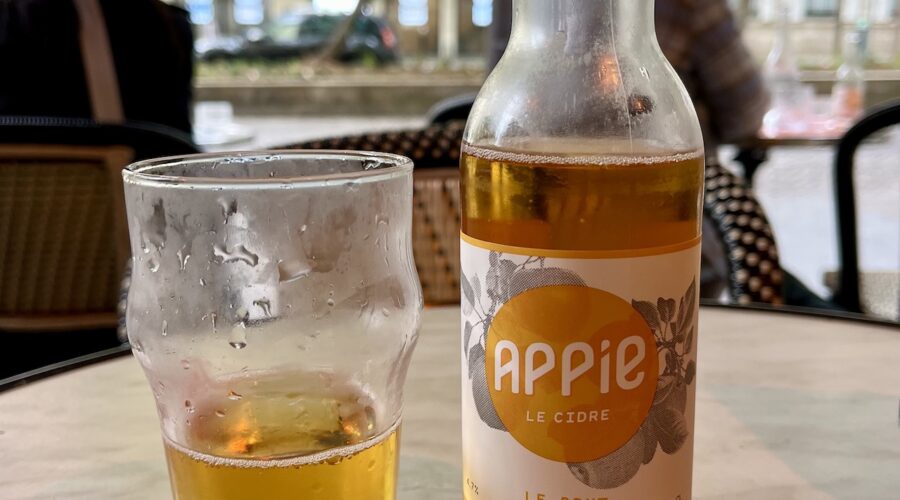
(848, 93)
(790, 102)
(581, 181)
(780, 68)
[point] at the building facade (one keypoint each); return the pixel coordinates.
(450, 29)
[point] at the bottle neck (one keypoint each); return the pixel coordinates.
(783, 31)
(583, 24)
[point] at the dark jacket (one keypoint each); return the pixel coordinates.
(43, 73)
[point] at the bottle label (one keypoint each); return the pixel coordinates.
(578, 372)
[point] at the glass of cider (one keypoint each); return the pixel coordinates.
(274, 306)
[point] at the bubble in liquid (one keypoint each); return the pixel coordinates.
(234, 396)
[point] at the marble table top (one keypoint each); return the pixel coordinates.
(788, 407)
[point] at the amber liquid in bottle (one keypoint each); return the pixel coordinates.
(581, 201)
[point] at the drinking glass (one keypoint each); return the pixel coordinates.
(274, 306)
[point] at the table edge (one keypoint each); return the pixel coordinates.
(61, 367)
(123, 350)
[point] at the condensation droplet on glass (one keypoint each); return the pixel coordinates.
(330, 302)
(229, 208)
(302, 229)
(290, 271)
(222, 255)
(385, 312)
(188, 406)
(185, 364)
(242, 315)
(202, 282)
(265, 305)
(234, 396)
(238, 337)
(183, 258)
(165, 328)
(220, 413)
(153, 265)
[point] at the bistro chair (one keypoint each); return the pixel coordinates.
(63, 234)
(749, 254)
(854, 291)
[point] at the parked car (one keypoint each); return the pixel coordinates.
(371, 39)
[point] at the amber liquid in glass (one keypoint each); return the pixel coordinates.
(276, 443)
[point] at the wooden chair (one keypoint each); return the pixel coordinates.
(754, 274)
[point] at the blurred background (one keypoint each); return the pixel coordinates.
(401, 57)
(184, 76)
(439, 48)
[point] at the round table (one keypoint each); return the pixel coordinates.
(789, 407)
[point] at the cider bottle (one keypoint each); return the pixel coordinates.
(581, 180)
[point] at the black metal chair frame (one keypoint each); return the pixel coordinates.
(847, 294)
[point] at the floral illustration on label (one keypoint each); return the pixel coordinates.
(575, 374)
(666, 426)
(504, 280)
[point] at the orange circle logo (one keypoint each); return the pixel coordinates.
(571, 371)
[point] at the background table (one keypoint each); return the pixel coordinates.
(789, 407)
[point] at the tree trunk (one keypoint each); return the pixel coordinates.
(335, 46)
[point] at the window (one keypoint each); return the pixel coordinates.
(201, 11)
(821, 8)
(339, 6)
(752, 7)
(482, 12)
(413, 12)
(248, 11)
